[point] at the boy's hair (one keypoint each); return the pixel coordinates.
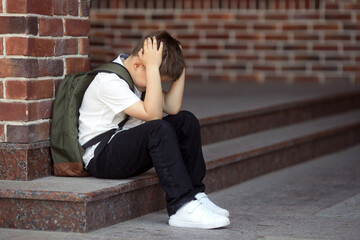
(173, 62)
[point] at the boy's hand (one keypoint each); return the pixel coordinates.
(150, 55)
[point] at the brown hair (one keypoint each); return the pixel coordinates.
(173, 62)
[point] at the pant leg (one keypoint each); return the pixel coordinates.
(187, 130)
(136, 150)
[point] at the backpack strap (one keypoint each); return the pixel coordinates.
(116, 68)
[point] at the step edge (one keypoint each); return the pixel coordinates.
(152, 179)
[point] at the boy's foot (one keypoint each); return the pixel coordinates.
(195, 215)
(203, 198)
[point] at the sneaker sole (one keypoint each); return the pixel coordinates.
(184, 224)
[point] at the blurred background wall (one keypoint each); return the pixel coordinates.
(239, 40)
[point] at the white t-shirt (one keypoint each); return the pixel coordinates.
(102, 108)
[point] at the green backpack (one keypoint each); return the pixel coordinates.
(65, 148)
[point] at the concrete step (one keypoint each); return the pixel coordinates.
(86, 204)
(232, 125)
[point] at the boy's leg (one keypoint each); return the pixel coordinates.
(187, 130)
(136, 150)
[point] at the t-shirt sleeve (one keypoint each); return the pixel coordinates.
(116, 94)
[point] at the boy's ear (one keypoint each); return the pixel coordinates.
(137, 64)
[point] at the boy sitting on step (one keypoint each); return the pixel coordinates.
(171, 144)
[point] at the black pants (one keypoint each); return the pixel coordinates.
(171, 145)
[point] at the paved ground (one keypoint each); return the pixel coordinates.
(319, 199)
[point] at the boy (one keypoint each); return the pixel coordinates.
(171, 144)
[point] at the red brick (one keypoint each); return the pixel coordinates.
(51, 67)
(294, 27)
(40, 89)
(2, 130)
(265, 47)
(60, 7)
(352, 6)
(16, 6)
(326, 26)
(77, 27)
(337, 37)
(324, 68)
(248, 36)
(1, 46)
(10, 111)
(322, 47)
(191, 16)
(1, 7)
(292, 68)
(12, 24)
(351, 68)
(46, 7)
(16, 89)
(162, 17)
(257, 67)
(218, 36)
(77, 65)
(220, 16)
(264, 27)
(29, 90)
(306, 78)
(14, 67)
(307, 57)
(51, 27)
(352, 47)
(279, 37)
(247, 16)
(236, 46)
(148, 26)
(337, 58)
(306, 16)
(84, 46)
(247, 57)
(40, 110)
(307, 37)
(337, 16)
(207, 46)
(332, 6)
(206, 26)
(294, 47)
(277, 57)
(66, 47)
(129, 17)
(122, 26)
(1, 90)
(235, 66)
(84, 10)
(73, 7)
(17, 45)
(30, 46)
(188, 36)
(277, 16)
(233, 26)
(28, 133)
(351, 26)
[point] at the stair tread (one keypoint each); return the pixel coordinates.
(277, 135)
(90, 188)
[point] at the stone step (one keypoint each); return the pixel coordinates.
(86, 204)
(227, 126)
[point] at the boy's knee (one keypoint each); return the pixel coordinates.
(161, 126)
(189, 117)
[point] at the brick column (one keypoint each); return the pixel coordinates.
(40, 42)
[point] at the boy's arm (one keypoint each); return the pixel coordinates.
(152, 106)
(173, 98)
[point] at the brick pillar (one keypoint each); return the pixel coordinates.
(40, 42)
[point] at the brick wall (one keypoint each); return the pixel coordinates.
(240, 40)
(40, 42)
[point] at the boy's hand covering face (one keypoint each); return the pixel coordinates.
(150, 54)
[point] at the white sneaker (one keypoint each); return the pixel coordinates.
(195, 215)
(203, 198)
